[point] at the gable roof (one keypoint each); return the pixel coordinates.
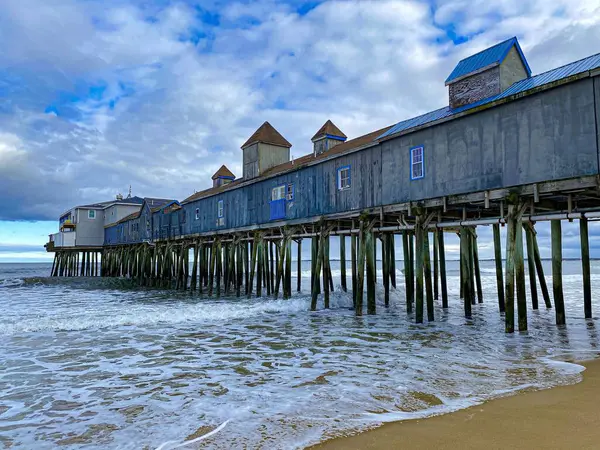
(330, 129)
(223, 172)
(488, 58)
(267, 134)
(551, 76)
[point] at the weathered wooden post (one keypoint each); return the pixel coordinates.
(343, 261)
(520, 278)
(313, 261)
(288, 267)
(316, 269)
(392, 258)
(411, 264)
(259, 270)
(557, 284)
(442, 261)
(370, 245)
(360, 269)
(585, 267)
(509, 307)
(531, 268)
(299, 266)
(427, 275)
(436, 294)
(406, 257)
(194, 281)
(272, 266)
(266, 270)
(538, 265)
(385, 265)
(211, 270)
(498, 261)
(81, 272)
(252, 265)
(279, 277)
(419, 262)
(477, 267)
(326, 274)
(465, 261)
(353, 252)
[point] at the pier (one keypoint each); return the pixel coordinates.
(511, 150)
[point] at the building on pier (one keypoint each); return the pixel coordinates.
(503, 128)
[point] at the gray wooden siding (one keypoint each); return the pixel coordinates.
(547, 136)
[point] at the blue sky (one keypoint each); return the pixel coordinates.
(96, 96)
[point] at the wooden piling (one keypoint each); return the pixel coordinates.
(252, 267)
(411, 264)
(343, 262)
(520, 279)
(288, 267)
(299, 266)
(406, 258)
(353, 255)
(498, 261)
(557, 284)
(316, 264)
(476, 266)
(538, 265)
(392, 258)
(509, 306)
(360, 269)
(385, 265)
(585, 267)
(326, 271)
(259, 269)
(436, 294)
(211, 269)
(313, 260)
(272, 266)
(442, 262)
(465, 261)
(531, 268)
(371, 271)
(419, 261)
(280, 267)
(427, 276)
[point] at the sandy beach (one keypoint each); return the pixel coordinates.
(565, 417)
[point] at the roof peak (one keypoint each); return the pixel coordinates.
(487, 58)
(223, 172)
(267, 134)
(329, 128)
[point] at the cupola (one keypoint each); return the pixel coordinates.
(327, 137)
(222, 176)
(266, 148)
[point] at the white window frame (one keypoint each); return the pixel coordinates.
(220, 209)
(344, 182)
(417, 163)
(290, 192)
(197, 216)
(91, 214)
(278, 193)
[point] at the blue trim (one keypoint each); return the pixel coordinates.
(220, 209)
(225, 177)
(337, 138)
(422, 162)
(338, 178)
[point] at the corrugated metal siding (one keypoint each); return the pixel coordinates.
(551, 76)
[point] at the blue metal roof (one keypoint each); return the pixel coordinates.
(574, 68)
(486, 58)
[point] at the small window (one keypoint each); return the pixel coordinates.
(417, 165)
(343, 178)
(290, 192)
(91, 214)
(220, 208)
(278, 193)
(147, 225)
(197, 216)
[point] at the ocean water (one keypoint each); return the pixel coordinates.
(102, 364)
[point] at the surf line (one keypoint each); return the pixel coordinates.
(204, 436)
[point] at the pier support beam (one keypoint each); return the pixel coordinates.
(557, 284)
(520, 278)
(427, 275)
(466, 262)
(442, 256)
(407, 281)
(385, 265)
(354, 255)
(419, 261)
(585, 267)
(509, 307)
(343, 262)
(538, 265)
(531, 268)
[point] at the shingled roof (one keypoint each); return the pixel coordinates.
(267, 135)
(330, 129)
(223, 172)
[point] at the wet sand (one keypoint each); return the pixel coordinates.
(565, 417)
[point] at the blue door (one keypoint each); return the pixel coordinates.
(278, 209)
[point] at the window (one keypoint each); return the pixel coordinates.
(278, 193)
(290, 192)
(147, 225)
(197, 216)
(91, 214)
(220, 208)
(343, 178)
(417, 165)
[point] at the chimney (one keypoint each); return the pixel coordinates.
(222, 177)
(266, 148)
(327, 137)
(487, 73)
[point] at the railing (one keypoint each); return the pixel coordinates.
(63, 239)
